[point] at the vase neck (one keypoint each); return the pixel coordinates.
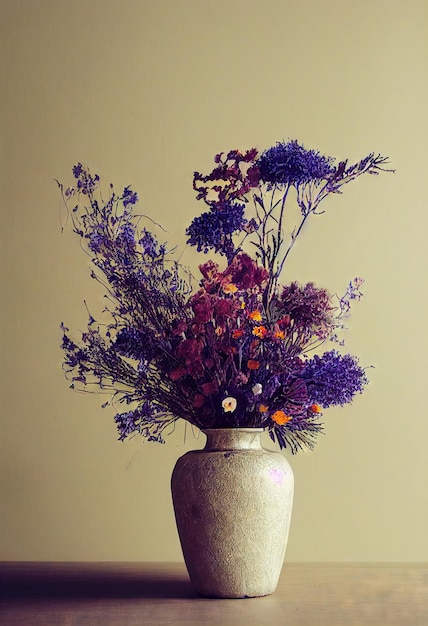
(233, 438)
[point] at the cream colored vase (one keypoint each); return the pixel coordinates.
(232, 503)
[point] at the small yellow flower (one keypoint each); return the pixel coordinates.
(230, 288)
(256, 316)
(280, 334)
(280, 418)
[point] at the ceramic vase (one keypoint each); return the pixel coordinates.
(232, 503)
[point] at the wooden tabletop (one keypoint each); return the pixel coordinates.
(119, 594)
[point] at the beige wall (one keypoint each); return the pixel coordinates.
(146, 92)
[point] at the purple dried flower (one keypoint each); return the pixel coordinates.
(353, 292)
(291, 164)
(150, 245)
(310, 309)
(77, 170)
(127, 423)
(145, 420)
(86, 183)
(97, 238)
(213, 230)
(131, 343)
(129, 196)
(126, 237)
(333, 379)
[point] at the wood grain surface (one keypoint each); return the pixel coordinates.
(119, 594)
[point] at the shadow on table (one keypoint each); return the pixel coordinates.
(54, 582)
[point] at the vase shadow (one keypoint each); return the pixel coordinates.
(88, 583)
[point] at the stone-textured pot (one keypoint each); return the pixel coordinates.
(232, 503)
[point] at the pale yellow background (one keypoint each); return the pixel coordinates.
(145, 92)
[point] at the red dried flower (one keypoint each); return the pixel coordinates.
(253, 365)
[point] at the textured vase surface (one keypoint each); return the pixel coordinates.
(232, 503)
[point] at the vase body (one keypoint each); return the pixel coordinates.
(232, 503)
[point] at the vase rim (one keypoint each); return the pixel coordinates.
(248, 429)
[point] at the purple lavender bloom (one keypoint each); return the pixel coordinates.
(97, 238)
(127, 423)
(143, 420)
(129, 197)
(126, 236)
(150, 245)
(77, 170)
(86, 183)
(291, 164)
(333, 379)
(130, 343)
(74, 354)
(75, 359)
(214, 229)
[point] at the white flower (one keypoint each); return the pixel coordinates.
(229, 404)
(257, 389)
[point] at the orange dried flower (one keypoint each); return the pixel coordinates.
(315, 408)
(237, 334)
(263, 408)
(280, 418)
(260, 331)
(256, 316)
(280, 334)
(253, 365)
(230, 288)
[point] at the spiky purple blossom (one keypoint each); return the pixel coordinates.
(333, 379)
